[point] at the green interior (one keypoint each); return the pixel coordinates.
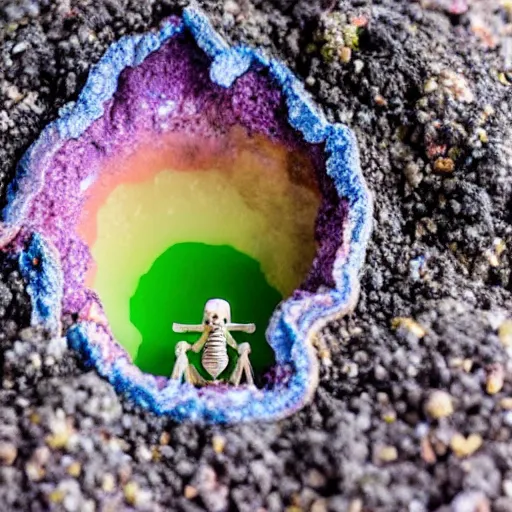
(176, 288)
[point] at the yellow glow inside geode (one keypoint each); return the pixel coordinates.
(252, 195)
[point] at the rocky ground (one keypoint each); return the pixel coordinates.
(415, 412)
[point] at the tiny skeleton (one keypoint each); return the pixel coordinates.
(214, 342)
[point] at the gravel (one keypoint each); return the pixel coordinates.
(415, 412)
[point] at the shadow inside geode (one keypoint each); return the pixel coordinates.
(176, 288)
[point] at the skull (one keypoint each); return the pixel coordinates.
(217, 312)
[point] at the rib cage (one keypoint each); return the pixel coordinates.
(215, 354)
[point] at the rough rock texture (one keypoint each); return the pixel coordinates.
(426, 87)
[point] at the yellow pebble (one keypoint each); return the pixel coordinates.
(467, 365)
(492, 258)
(430, 86)
(388, 454)
(190, 492)
(482, 135)
(34, 418)
(503, 78)
(499, 246)
(165, 438)
(389, 416)
(57, 441)
(155, 454)
(74, 469)
(505, 333)
(439, 404)
(218, 443)
(464, 447)
(409, 324)
(56, 496)
(131, 490)
(345, 54)
(494, 381)
(108, 483)
(506, 403)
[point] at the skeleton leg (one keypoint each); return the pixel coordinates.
(192, 376)
(181, 364)
(243, 366)
(182, 368)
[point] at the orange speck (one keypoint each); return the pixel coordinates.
(360, 21)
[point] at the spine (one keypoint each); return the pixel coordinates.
(215, 355)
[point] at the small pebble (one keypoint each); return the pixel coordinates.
(439, 404)
(345, 54)
(57, 496)
(190, 492)
(507, 488)
(19, 48)
(465, 446)
(467, 365)
(430, 86)
(505, 333)
(218, 443)
(165, 438)
(427, 452)
(74, 469)
(413, 174)
(444, 165)
(380, 100)
(108, 483)
(389, 416)
(355, 505)
(231, 7)
(35, 467)
(8, 453)
(131, 491)
(470, 501)
(387, 454)
(319, 506)
(315, 479)
(144, 454)
(494, 379)
(410, 325)
(457, 86)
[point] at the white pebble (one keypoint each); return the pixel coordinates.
(19, 48)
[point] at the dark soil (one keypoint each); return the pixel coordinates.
(429, 95)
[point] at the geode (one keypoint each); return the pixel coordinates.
(183, 97)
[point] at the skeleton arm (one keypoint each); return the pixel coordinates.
(230, 340)
(199, 344)
(187, 328)
(248, 328)
(205, 329)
